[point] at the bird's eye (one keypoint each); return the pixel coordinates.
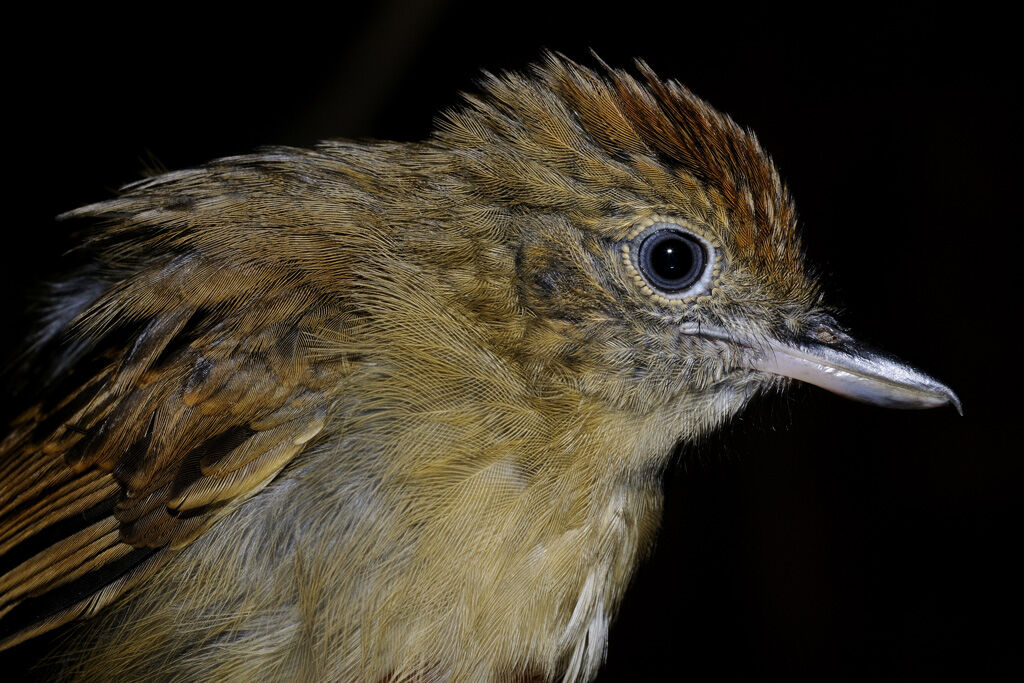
(671, 261)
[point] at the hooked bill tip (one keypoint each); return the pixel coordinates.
(954, 400)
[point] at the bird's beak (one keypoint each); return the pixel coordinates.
(833, 360)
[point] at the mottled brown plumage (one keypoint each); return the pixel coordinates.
(381, 411)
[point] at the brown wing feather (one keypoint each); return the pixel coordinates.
(157, 454)
(139, 446)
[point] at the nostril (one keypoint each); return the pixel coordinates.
(826, 335)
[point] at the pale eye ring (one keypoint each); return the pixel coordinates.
(671, 260)
(674, 262)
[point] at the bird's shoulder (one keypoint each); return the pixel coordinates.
(187, 378)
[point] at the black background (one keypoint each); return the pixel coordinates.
(814, 539)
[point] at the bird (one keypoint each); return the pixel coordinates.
(382, 411)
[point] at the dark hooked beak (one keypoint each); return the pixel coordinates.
(833, 360)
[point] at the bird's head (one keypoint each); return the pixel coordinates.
(654, 250)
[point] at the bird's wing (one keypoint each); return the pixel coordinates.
(138, 459)
(192, 381)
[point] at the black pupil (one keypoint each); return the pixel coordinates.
(671, 261)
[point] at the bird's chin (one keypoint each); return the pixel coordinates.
(710, 406)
